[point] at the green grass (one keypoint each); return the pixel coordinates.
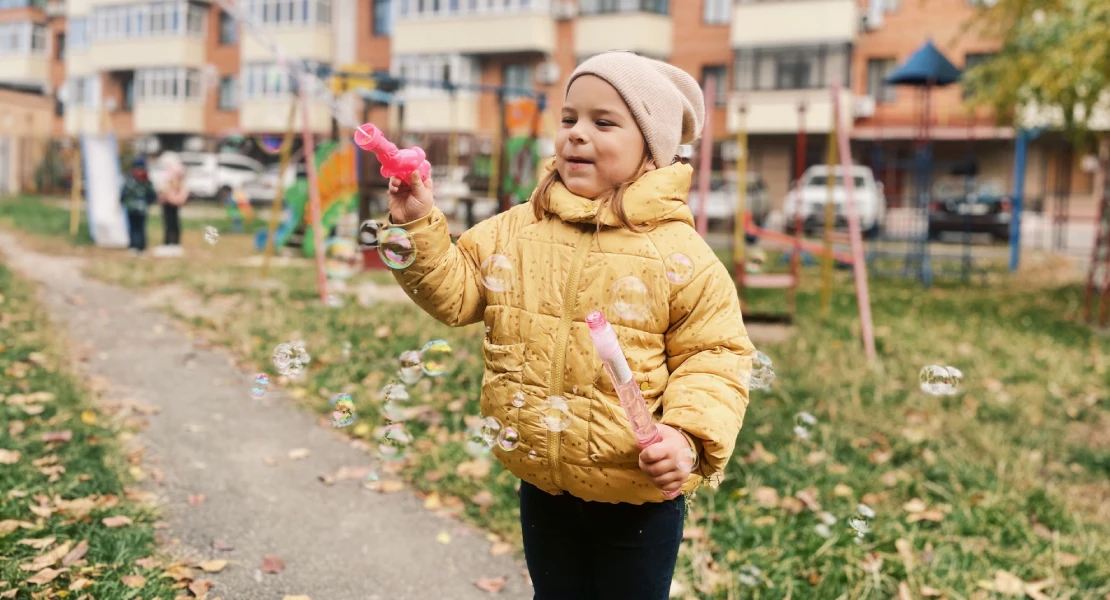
(1016, 465)
(89, 465)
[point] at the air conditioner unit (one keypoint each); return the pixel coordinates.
(871, 21)
(547, 73)
(565, 11)
(864, 106)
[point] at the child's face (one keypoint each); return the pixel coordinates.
(598, 146)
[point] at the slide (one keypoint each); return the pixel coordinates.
(103, 181)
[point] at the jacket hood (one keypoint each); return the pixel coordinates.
(655, 197)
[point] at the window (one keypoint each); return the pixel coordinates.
(265, 81)
(167, 84)
(229, 93)
(78, 33)
(291, 13)
(877, 71)
(791, 68)
(972, 60)
(38, 38)
(383, 21)
(517, 76)
(229, 29)
(717, 12)
(129, 94)
(600, 7)
(22, 38)
(719, 74)
(60, 47)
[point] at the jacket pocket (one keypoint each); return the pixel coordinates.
(610, 437)
(502, 380)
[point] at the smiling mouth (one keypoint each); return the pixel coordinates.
(579, 161)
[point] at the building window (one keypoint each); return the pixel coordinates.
(229, 29)
(229, 93)
(719, 75)
(517, 77)
(142, 20)
(601, 7)
(972, 60)
(22, 38)
(717, 12)
(383, 17)
(262, 81)
(129, 94)
(290, 13)
(167, 84)
(60, 47)
(792, 68)
(878, 69)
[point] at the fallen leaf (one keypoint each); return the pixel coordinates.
(200, 587)
(905, 550)
(904, 591)
(9, 457)
(79, 584)
(10, 593)
(382, 331)
(196, 499)
(116, 521)
(34, 409)
(45, 460)
(38, 543)
(57, 436)
(473, 469)
(432, 502)
(391, 486)
(491, 584)
(1068, 560)
(930, 592)
(433, 476)
(767, 497)
(483, 498)
(16, 427)
(443, 538)
(44, 576)
(792, 505)
(48, 559)
(272, 563)
(1008, 584)
(299, 453)
(914, 506)
(928, 515)
(500, 548)
(693, 533)
(218, 544)
(146, 563)
(809, 497)
(212, 566)
(88, 417)
(134, 581)
(842, 491)
(764, 521)
(17, 494)
(9, 525)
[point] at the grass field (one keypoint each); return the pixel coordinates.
(1001, 490)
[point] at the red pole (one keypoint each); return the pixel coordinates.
(799, 198)
(313, 193)
(705, 157)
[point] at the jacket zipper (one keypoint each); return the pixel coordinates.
(558, 368)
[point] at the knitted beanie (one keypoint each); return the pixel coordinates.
(666, 101)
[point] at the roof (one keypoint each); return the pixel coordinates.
(927, 66)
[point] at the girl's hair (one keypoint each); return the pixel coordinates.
(612, 197)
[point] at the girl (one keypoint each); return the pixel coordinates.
(172, 196)
(606, 228)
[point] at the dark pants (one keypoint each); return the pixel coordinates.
(578, 550)
(136, 221)
(173, 225)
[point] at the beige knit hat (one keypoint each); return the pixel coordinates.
(666, 101)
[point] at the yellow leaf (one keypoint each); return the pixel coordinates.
(79, 584)
(213, 566)
(88, 417)
(930, 592)
(116, 521)
(1008, 584)
(45, 576)
(432, 502)
(1068, 560)
(914, 506)
(391, 486)
(443, 538)
(39, 543)
(134, 581)
(9, 457)
(842, 491)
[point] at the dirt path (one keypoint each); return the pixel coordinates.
(339, 542)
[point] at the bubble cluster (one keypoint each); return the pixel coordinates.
(291, 358)
(860, 525)
(556, 414)
(368, 233)
(938, 380)
(340, 258)
(261, 384)
(412, 367)
(679, 267)
(763, 372)
(343, 410)
(211, 235)
(630, 299)
(396, 248)
(497, 273)
(393, 442)
(802, 422)
(395, 398)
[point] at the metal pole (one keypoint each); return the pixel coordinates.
(1017, 206)
(283, 164)
(830, 221)
(313, 194)
(740, 223)
(705, 158)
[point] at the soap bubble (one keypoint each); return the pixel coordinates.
(532, 455)
(680, 268)
(763, 372)
(283, 356)
(395, 391)
(368, 233)
(518, 399)
(805, 418)
(396, 398)
(340, 258)
(939, 380)
(801, 432)
(749, 576)
(509, 439)
(211, 235)
(261, 383)
(343, 410)
(396, 248)
(393, 442)
(491, 430)
(687, 460)
(556, 414)
(335, 301)
(859, 526)
(630, 299)
(865, 511)
(412, 368)
(345, 348)
(497, 273)
(435, 357)
(481, 436)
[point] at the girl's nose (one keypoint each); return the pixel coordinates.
(577, 136)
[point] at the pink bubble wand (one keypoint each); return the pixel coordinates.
(632, 401)
(395, 161)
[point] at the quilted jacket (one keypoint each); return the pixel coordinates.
(687, 346)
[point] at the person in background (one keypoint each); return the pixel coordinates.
(172, 197)
(136, 196)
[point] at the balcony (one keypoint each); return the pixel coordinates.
(270, 115)
(774, 22)
(432, 113)
(32, 69)
(310, 43)
(83, 119)
(776, 111)
(168, 117)
(490, 28)
(137, 53)
(646, 33)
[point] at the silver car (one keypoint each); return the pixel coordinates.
(723, 199)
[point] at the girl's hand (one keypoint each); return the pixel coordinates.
(410, 200)
(659, 461)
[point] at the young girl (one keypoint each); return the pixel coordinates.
(172, 196)
(607, 228)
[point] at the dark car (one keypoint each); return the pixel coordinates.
(960, 206)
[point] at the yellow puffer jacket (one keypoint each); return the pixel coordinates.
(689, 350)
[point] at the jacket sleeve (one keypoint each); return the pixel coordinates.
(709, 357)
(444, 278)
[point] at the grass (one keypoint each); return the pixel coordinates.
(1009, 478)
(61, 490)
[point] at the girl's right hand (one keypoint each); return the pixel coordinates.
(410, 200)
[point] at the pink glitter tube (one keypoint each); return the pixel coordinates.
(395, 162)
(632, 401)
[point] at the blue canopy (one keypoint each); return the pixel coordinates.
(926, 66)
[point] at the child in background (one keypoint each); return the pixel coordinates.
(173, 196)
(136, 196)
(611, 205)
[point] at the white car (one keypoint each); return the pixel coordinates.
(263, 189)
(206, 173)
(813, 191)
(723, 198)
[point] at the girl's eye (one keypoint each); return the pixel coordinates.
(604, 124)
(568, 121)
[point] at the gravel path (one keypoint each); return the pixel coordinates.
(339, 542)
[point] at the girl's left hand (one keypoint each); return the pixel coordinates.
(659, 461)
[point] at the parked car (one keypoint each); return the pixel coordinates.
(263, 188)
(207, 174)
(968, 205)
(813, 192)
(723, 199)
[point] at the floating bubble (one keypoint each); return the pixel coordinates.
(283, 356)
(687, 460)
(801, 432)
(395, 391)
(435, 358)
(481, 436)
(343, 410)
(497, 273)
(532, 455)
(341, 258)
(822, 530)
(865, 511)
(518, 399)
(556, 414)
(368, 233)
(393, 442)
(396, 248)
(335, 301)
(261, 383)
(211, 235)
(345, 348)
(630, 299)
(805, 418)
(749, 576)
(859, 526)
(509, 439)
(940, 380)
(763, 372)
(491, 430)
(411, 367)
(680, 268)
(270, 144)
(301, 354)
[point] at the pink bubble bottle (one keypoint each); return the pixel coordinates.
(395, 162)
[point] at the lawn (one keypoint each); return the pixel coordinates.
(1000, 490)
